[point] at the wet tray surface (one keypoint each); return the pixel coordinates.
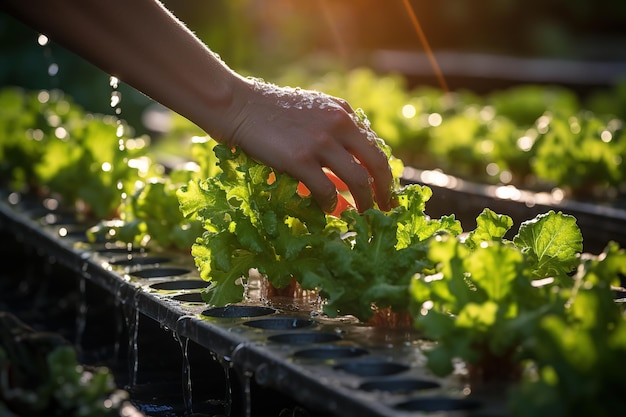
(334, 366)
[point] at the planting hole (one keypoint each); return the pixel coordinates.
(76, 233)
(431, 404)
(121, 251)
(279, 323)
(160, 272)
(191, 297)
(140, 260)
(57, 218)
(185, 284)
(399, 386)
(372, 368)
(331, 352)
(235, 311)
(304, 338)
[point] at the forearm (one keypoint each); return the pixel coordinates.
(137, 42)
(292, 130)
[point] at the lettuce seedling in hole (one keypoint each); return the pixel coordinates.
(150, 216)
(370, 267)
(255, 218)
(488, 294)
(577, 352)
(250, 222)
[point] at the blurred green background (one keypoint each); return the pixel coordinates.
(267, 38)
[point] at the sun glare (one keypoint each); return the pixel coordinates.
(429, 53)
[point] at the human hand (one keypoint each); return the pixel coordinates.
(300, 132)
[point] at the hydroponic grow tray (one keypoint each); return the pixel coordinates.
(334, 367)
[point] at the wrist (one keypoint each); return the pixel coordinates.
(225, 110)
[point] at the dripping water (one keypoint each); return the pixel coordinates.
(119, 328)
(246, 378)
(186, 373)
(186, 366)
(53, 67)
(131, 316)
(81, 314)
(228, 396)
(116, 100)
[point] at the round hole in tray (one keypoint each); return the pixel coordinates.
(304, 338)
(372, 368)
(73, 232)
(237, 311)
(77, 233)
(140, 260)
(183, 284)
(119, 250)
(279, 323)
(190, 297)
(430, 404)
(331, 352)
(59, 218)
(404, 385)
(160, 272)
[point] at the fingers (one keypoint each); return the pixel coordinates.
(380, 179)
(360, 143)
(350, 151)
(301, 133)
(343, 164)
(363, 180)
(321, 188)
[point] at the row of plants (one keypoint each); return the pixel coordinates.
(533, 309)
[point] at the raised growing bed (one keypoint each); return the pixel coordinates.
(330, 366)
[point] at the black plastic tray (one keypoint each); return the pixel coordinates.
(334, 367)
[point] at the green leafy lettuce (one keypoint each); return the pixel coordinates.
(254, 218)
(488, 293)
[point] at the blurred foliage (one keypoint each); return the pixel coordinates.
(49, 144)
(532, 136)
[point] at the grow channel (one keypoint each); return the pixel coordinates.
(329, 366)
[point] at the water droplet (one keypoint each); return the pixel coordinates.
(116, 98)
(53, 69)
(42, 39)
(14, 198)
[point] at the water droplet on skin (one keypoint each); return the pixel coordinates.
(294, 98)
